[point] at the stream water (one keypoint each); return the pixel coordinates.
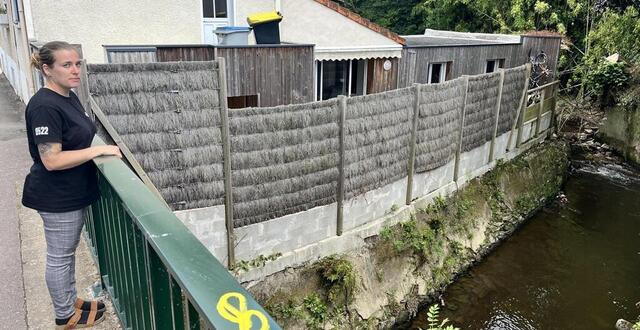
(574, 265)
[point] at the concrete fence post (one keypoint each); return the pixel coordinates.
(342, 107)
(523, 106)
(226, 155)
(497, 121)
(456, 171)
(412, 143)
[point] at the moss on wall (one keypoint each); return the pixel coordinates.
(622, 131)
(410, 263)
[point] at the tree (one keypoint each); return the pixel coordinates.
(397, 15)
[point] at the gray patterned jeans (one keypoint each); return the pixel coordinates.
(62, 233)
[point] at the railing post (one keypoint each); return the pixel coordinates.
(342, 107)
(523, 106)
(226, 155)
(456, 171)
(412, 143)
(495, 124)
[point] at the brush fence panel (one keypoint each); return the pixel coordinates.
(377, 131)
(480, 110)
(512, 90)
(437, 136)
(284, 159)
(168, 114)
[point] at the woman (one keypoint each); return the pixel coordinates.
(62, 180)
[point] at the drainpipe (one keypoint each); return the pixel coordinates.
(278, 5)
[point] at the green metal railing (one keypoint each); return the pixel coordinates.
(158, 275)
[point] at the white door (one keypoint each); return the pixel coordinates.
(215, 14)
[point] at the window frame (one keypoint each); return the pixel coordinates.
(443, 72)
(213, 6)
(319, 75)
(498, 63)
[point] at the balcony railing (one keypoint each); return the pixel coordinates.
(157, 274)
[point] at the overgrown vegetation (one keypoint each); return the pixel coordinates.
(259, 261)
(615, 33)
(338, 279)
(592, 31)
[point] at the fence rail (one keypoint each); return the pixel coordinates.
(158, 275)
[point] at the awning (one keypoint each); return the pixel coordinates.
(353, 53)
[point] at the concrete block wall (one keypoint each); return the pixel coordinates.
(306, 236)
(287, 233)
(374, 204)
(208, 225)
(355, 237)
(430, 181)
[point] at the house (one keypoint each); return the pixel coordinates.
(436, 56)
(352, 55)
(327, 49)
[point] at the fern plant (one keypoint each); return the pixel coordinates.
(433, 318)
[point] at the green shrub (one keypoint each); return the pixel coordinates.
(603, 78)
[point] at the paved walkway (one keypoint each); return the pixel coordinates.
(14, 163)
(23, 293)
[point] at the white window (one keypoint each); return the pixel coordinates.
(437, 72)
(347, 77)
(214, 9)
(493, 65)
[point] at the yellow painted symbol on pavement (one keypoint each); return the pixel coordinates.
(239, 313)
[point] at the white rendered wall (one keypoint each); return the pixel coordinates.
(11, 69)
(244, 8)
(116, 22)
(308, 22)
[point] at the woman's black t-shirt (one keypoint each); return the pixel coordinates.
(54, 118)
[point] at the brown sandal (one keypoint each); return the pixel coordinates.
(94, 305)
(76, 322)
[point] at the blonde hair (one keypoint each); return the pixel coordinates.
(45, 55)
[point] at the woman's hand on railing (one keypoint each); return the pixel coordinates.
(107, 150)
